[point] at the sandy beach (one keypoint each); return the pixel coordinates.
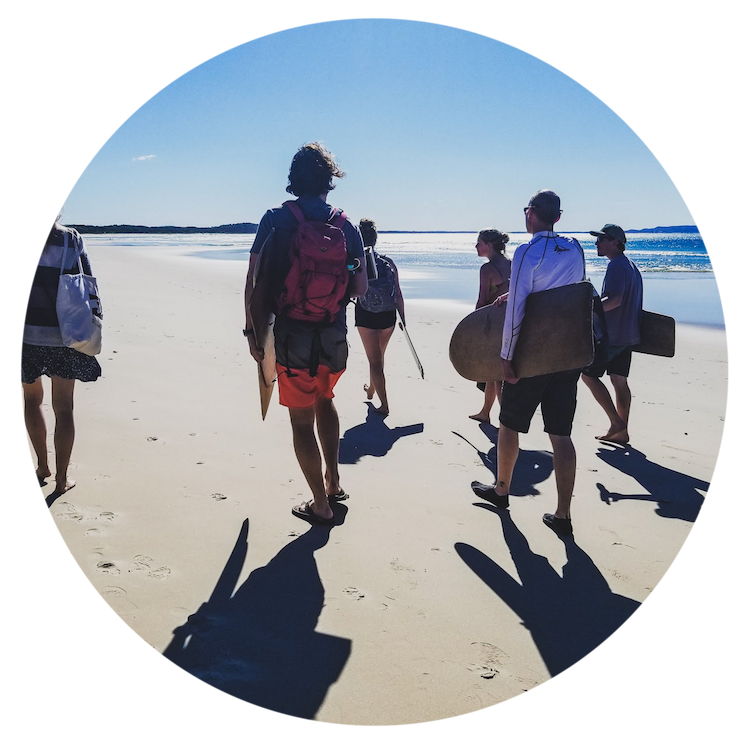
(425, 603)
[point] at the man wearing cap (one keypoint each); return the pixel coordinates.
(547, 261)
(622, 300)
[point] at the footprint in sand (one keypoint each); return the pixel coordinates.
(151, 439)
(490, 660)
(144, 562)
(92, 532)
(109, 568)
(218, 496)
(411, 580)
(107, 515)
(354, 593)
(68, 513)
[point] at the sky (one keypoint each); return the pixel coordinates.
(437, 129)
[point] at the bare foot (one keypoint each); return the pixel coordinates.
(615, 436)
(382, 410)
(63, 486)
(369, 391)
(480, 417)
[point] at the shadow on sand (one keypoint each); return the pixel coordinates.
(372, 438)
(677, 495)
(568, 616)
(259, 643)
(532, 467)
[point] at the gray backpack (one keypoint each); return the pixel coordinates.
(381, 292)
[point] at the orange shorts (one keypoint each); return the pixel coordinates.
(300, 390)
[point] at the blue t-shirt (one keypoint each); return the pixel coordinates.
(624, 322)
(315, 209)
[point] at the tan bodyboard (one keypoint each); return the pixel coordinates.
(555, 336)
(262, 318)
(657, 335)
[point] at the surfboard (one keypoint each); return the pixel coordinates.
(402, 326)
(555, 336)
(657, 335)
(262, 318)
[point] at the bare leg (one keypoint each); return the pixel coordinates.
(33, 394)
(564, 462)
(507, 455)
(375, 343)
(618, 429)
(490, 395)
(308, 457)
(65, 432)
(622, 397)
(327, 421)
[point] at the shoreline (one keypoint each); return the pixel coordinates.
(413, 597)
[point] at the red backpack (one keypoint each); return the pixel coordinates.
(315, 286)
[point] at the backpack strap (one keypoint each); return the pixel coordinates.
(293, 206)
(340, 218)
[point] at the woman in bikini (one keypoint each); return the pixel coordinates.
(494, 277)
(376, 324)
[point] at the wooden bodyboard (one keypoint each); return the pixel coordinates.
(262, 318)
(556, 335)
(657, 335)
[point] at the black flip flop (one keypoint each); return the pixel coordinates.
(306, 513)
(338, 497)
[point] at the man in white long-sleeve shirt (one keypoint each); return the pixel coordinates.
(547, 261)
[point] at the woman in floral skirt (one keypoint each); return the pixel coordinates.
(45, 354)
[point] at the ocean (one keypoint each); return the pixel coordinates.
(678, 279)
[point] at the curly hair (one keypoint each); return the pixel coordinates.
(369, 232)
(498, 240)
(312, 171)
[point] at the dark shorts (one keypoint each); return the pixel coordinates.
(57, 360)
(379, 321)
(309, 361)
(555, 392)
(618, 363)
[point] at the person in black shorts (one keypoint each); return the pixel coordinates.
(376, 324)
(547, 261)
(622, 300)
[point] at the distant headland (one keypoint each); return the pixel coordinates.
(682, 229)
(246, 228)
(249, 228)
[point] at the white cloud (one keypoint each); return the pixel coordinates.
(144, 158)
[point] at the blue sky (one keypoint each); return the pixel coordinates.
(437, 129)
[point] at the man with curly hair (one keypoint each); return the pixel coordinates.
(310, 358)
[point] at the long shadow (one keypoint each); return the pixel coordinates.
(260, 643)
(677, 495)
(568, 616)
(372, 438)
(532, 467)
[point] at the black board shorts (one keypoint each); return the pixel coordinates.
(618, 363)
(557, 394)
(379, 321)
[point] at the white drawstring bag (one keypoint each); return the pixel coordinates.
(79, 310)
